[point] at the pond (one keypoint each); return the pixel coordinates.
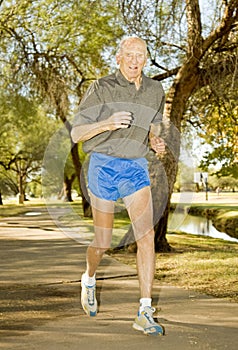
(197, 225)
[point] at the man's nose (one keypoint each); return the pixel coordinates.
(134, 58)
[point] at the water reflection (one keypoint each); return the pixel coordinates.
(197, 225)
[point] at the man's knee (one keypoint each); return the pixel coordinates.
(101, 244)
(146, 239)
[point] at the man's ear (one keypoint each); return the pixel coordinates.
(118, 59)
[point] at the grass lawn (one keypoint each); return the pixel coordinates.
(204, 264)
(15, 210)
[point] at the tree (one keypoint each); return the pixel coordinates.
(57, 49)
(227, 183)
(214, 113)
(220, 131)
(25, 133)
(186, 49)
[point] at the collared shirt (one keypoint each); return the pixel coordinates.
(115, 93)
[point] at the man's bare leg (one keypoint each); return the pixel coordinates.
(103, 221)
(139, 206)
(103, 216)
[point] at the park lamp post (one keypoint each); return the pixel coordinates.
(202, 178)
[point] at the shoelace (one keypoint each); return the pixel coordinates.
(148, 313)
(90, 294)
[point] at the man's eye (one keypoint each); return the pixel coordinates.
(139, 56)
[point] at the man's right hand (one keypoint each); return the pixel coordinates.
(120, 120)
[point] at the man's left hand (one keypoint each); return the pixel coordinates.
(157, 144)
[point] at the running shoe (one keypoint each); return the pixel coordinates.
(145, 323)
(88, 298)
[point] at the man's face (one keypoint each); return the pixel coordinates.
(132, 59)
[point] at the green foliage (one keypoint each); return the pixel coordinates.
(212, 109)
(216, 123)
(25, 133)
(227, 183)
(56, 48)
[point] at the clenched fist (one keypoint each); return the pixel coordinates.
(157, 144)
(120, 120)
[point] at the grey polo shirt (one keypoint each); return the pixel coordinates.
(115, 93)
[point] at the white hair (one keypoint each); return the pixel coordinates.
(128, 40)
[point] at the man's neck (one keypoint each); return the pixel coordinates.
(137, 81)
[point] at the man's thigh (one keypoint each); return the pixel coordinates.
(103, 216)
(140, 209)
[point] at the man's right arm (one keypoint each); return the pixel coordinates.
(84, 132)
(87, 131)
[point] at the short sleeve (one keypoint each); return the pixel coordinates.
(90, 106)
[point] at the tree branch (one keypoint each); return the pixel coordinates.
(7, 165)
(195, 38)
(167, 74)
(227, 23)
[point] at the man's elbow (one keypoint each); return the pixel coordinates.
(74, 135)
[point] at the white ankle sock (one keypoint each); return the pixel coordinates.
(144, 302)
(90, 281)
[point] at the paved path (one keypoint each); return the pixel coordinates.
(40, 299)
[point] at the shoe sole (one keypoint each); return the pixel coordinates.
(89, 313)
(148, 332)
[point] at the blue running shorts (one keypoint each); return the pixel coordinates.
(111, 178)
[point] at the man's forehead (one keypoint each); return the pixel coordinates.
(135, 45)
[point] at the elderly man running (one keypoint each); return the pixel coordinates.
(114, 121)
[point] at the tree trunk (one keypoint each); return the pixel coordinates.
(1, 202)
(163, 170)
(161, 243)
(87, 210)
(81, 180)
(21, 190)
(76, 160)
(68, 188)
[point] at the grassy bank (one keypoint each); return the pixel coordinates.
(222, 209)
(224, 219)
(198, 263)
